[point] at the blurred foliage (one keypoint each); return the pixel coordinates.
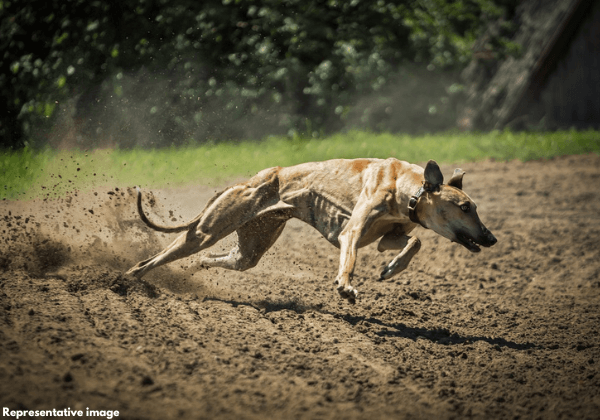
(158, 72)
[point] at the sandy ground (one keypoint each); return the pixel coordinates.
(509, 333)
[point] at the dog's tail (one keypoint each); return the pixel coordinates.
(165, 229)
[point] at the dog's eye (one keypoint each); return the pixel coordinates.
(465, 207)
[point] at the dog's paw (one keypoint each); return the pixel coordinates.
(134, 272)
(349, 293)
(385, 274)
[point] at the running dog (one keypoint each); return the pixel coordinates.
(352, 203)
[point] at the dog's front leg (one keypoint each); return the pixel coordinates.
(348, 250)
(362, 217)
(409, 245)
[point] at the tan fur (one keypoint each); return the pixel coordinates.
(352, 203)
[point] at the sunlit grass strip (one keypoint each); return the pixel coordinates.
(25, 174)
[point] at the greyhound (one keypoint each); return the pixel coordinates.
(351, 202)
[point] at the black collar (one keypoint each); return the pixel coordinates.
(414, 200)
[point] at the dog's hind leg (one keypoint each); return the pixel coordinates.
(254, 239)
(409, 245)
(225, 213)
(186, 244)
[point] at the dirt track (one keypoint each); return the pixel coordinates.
(512, 332)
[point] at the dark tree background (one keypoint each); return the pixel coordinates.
(156, 73)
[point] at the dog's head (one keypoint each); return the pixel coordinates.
(450, 212)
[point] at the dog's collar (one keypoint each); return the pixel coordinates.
(414, 201)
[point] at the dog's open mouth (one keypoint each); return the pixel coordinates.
(467, 242)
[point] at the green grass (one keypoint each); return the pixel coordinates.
(27, 174)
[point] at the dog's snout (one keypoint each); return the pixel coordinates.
(490, 239)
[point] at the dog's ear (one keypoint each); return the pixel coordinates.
(456, 180)
(433, 174)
